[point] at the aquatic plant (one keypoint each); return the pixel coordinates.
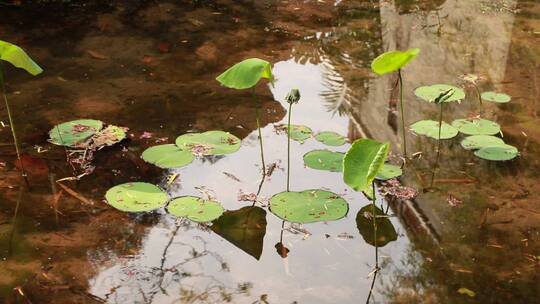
(476, 126)
(292, 97)
(167, 156)
(324, 160)
(195, 208)
(496, 97)
(390, 62)
(16, 56)
(330, 138)
(244, 75)
(136, 197)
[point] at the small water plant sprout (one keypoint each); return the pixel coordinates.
(390, 62)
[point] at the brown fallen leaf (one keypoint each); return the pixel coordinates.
(96, 55)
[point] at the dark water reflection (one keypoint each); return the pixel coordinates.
(161, 59)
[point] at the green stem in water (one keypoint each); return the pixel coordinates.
(12, 127)
(374, 217)
(257, 119)
(438, 145)
(289, 146)
(402, 114)
(478, 94)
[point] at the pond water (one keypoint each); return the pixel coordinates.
(150, 66)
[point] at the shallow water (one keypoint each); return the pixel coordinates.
(151, 67)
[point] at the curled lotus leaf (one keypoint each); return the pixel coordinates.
(389, 171)
(497, 153)
(246, 74)
(167, 156)
(308, 206)
(324, 160)
(195, 208)
(136, 197)
(362, 164)
(74, 133)
(209, 143)
(496, 97)
(479, 141)
(392, 61)
(330, 138)
(431, 92)
(17, 56)
(430, 128)
(476, 126)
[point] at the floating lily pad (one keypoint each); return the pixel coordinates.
(195, 208)
(136, 197)
(476, 126)
(496, 97)
(246, 74)
(388, 171)
(431, 92)
(324, 160)
(330, 138)
(108, 136)
(308, 206)
(386, 232)
(362, 164)
(430, 128)
(75, 132)
(168, 156)
(300, 133)
(497, 153)
(245, 228)
(480, 141)
(211, 142)
(392, 61)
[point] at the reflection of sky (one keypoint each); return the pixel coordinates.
(318, 269)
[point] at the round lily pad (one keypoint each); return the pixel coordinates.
(496, 97)
(108, 136)
(324, 160)
(476, 126)
(431, 92)
(209, 143)
(386, 232)
(497, 153)
(136, 197)
(195, 208)
(308, 206)
(430, 128)
(75, 132)
(388, 171)
(167, 156)
(479, 141)
(330, 138)
(300, 133)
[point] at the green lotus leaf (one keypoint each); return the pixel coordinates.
(195, 208)
(324, 160)
(246, 74)
(431, 92)
(476, 126)
(392, 61)
(308, 206)
(479, 141)
(497, 153)
(300, 133)
(168, 156)
(430, 128)
(136, 197)
(496, 97)
(330, 138)
(108, 136)
(18, 57)
(363, 162)
(209, 143)
(74, 133)
(245, 228)
(386, 232)
(388, 171)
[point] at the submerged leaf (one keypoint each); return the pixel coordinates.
(476, 126)
(431, 92)
(167, 156)
(497, 153)
(75, 132)
(466, 291)
(246, 74)
(496, 97)
(136, 197)
(388, 171)
(245, 228)
(363, 162)
(324, 160)
(18, 57)
(386, 232)
(430, 128)
(308, 206)
(392, 61)
(330, 138)
(195, 208)
(210, 143)
(479, 141)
